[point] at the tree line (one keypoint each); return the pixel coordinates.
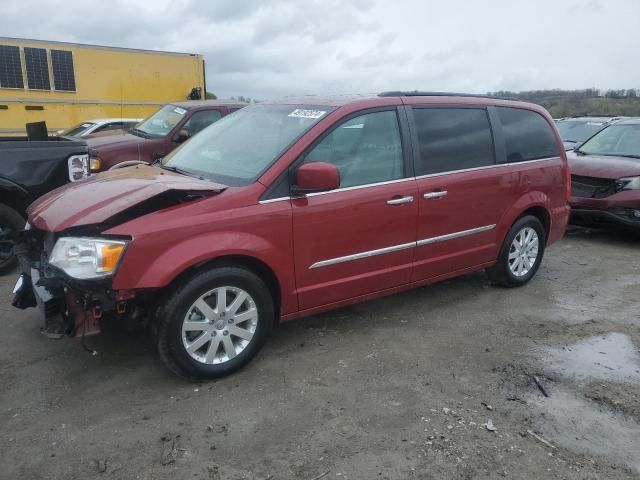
(584, 102)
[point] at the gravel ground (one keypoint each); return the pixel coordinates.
(397, 388)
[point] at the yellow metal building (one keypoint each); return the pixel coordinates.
(68, 83)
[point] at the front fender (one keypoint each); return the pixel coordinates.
(138, 270)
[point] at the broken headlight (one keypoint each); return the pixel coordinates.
(85, 258)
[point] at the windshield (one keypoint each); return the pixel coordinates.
(162, 122)
(617, 140)
(577, 131)
(78, 129)
(237, 149)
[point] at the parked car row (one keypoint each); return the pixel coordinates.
(100, 125)
(158, 135)
(31, 167)
(577, 130)
(290, 208)
(605, 177)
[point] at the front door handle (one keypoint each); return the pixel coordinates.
(431, 195)
(400, 200)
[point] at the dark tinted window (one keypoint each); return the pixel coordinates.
(62, 66)
(527, 135)
(366, 149)
(201, 120)
(37, 66)
(10, 67)
(452, 139)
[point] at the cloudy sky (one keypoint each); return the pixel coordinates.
(272, 48)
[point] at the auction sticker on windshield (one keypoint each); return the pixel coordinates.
(301, 113)
(180, 111)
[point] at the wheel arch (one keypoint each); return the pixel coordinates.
(14, 196)
(534, 203)
(251, 263)
(542, 214)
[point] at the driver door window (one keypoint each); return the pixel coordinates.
(201, 120)
(366, 149)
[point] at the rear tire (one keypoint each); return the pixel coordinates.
(521, 253)
(10, 221)
(214, 324)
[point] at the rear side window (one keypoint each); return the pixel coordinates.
(527, 135)
(452, 139)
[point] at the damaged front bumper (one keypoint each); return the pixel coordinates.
(66, 311)
(69, 307)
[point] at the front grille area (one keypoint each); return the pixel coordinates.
(592, 187)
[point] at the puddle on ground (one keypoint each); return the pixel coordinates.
(582, 426)
(611, 357)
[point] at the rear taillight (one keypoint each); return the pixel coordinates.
(78, 167)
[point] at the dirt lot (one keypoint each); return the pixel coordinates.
(392, 389)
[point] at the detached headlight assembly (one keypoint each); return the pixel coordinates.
(629, 183)
(86, 258)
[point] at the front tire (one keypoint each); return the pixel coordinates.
(10, 222)
(214, 324)
(521, 253)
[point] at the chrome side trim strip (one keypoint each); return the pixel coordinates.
(271, 200)
(357, 256)
(358, 187)
(404, 246)
(450, 236)
(406, 179)
(487, 167)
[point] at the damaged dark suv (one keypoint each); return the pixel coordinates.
(292, 208)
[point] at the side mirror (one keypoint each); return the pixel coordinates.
(316, 177)
(182, 135)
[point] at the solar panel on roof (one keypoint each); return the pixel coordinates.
(63, 75)
(10, 67)
(35, 60)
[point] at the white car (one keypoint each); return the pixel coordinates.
(100, 125)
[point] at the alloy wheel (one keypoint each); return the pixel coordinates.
(219, 325)
(523, 252)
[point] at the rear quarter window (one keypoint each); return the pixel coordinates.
(527, 135)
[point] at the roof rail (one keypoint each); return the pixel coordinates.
(417, 93)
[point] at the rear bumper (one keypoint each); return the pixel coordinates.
(559, 221)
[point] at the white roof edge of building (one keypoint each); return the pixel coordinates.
(88, 45)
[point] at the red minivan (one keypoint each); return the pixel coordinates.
(291, 208)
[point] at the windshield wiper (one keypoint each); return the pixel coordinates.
(139, 133)
(628, 155)
(179, 170)
(580, 152)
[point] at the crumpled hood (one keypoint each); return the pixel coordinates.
(603, 166)
(101, 197)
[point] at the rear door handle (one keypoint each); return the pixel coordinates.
(431, 195)
(400, 201)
